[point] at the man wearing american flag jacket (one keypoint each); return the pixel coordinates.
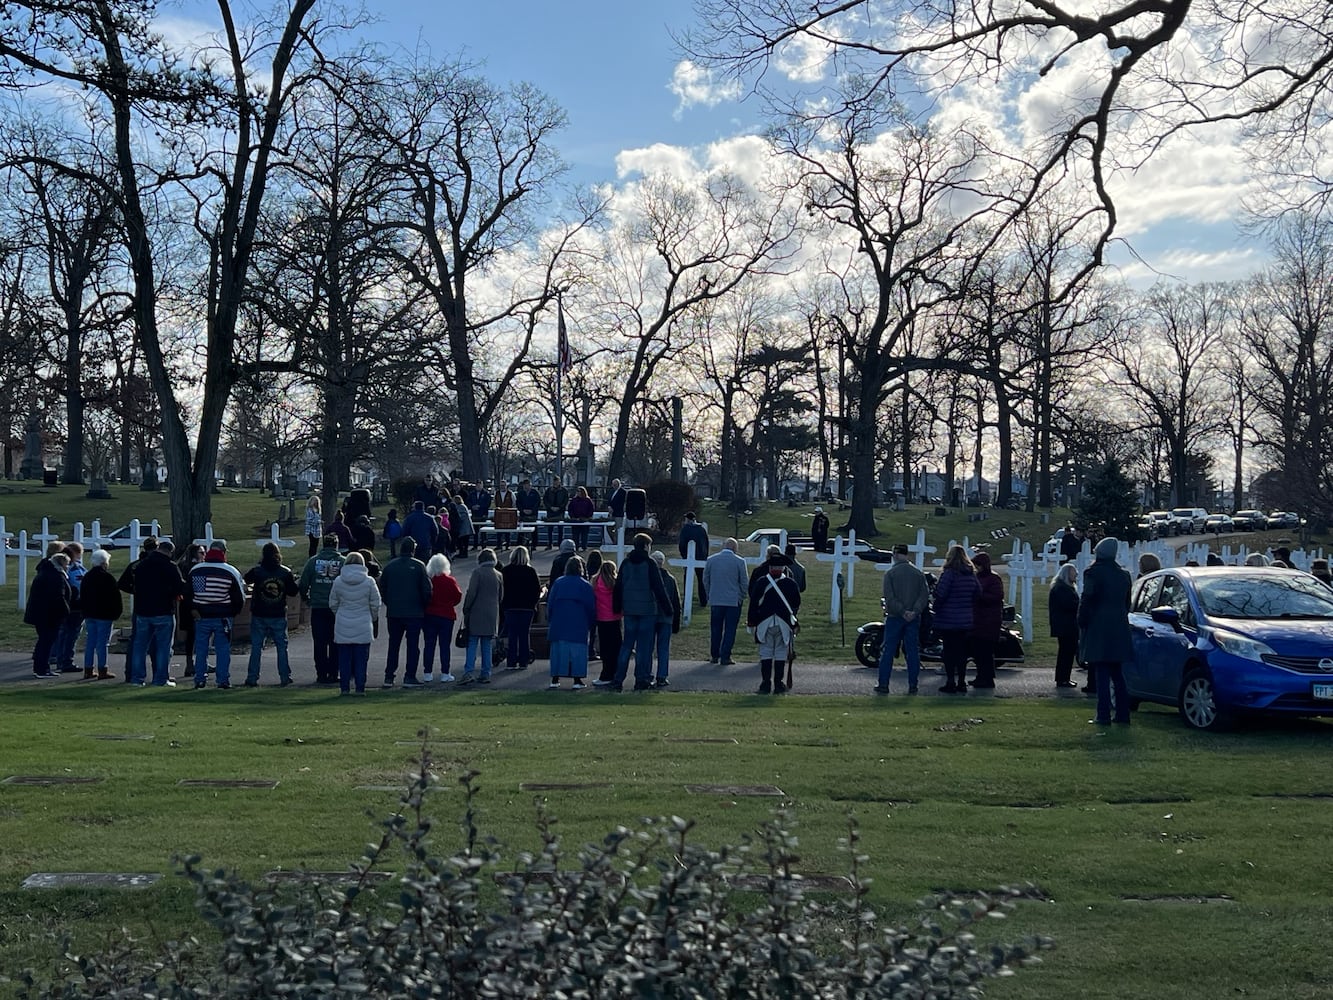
(218, 593)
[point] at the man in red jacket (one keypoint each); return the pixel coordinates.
(218, 593)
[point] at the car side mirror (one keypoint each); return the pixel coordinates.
(1166, 616)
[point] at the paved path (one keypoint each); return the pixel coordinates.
(847, 678)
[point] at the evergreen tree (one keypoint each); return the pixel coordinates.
(1111, 500)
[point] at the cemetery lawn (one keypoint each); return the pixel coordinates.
(1223, 836)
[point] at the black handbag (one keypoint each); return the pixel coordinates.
(460, 637)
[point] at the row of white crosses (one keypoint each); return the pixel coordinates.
(33, 546)
(694, 560)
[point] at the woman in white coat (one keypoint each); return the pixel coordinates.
(355, 603)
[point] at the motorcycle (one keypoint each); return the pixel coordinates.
(1008, 651)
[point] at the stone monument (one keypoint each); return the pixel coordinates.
(32, 466)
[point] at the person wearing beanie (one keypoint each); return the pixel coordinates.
(218, 593)
(819, 530)
(1103, 617)
(565, 554)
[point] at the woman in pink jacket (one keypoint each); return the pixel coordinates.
(608, 622)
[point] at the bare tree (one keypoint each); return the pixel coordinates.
(1257, 62)
(1167, 373)
(686, 246)
(1287, 322)
(219, 125)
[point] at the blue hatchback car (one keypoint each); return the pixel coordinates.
(1218, 641)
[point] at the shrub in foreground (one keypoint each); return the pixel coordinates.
(646, 913)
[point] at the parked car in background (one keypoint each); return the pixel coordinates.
(1189, 520)
(1219, 641)
(1165, 524)
(1284, 519)
(1147, 527)
(1249, 520)
(1218, 524)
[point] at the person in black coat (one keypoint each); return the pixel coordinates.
(693, 531)
(1103, 615)
(47, 608)
(363, 535)
(819, 530)
(102, 605)
(1063, 613)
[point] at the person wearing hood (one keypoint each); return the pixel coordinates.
(218, 593)
(987, 620)
(1103, 616)
(481, 617)
(565, 554)
(355, 602)
(271, 583)
(819, 530)
(640, 596)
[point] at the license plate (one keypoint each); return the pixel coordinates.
(1322, 692)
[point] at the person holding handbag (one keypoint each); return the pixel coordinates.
(774, 600)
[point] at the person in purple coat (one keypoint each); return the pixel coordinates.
(955, 593)
(987, 620)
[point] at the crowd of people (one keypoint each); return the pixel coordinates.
(595, 610)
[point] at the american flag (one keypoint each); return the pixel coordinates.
(565, 358)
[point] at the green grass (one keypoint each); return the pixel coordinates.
(1029, 793)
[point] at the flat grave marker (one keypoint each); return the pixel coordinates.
(227, 783)
(729, 740)
(737, 791)
(91, 880)
(49, 779)
(813, 882)
(298, 876)
(560, 786)
(118, 737)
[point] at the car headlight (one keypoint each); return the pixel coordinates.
(1240, 646)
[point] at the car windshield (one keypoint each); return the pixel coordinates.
(1255, 596)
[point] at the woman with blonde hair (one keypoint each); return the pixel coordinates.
(955, 593)
(1063, 613)
(314, 523)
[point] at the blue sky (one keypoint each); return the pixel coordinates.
(608, 63)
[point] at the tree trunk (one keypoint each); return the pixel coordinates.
(74, 402)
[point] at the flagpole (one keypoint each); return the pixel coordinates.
(560, 352)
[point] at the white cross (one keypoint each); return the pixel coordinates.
(1025, 569)
(844, 561)
(209, 538)
(691, 562)
(97, 538)
(24, 554)
(762, 534)
(136, 538)
(920, 549)
(274, 536)
(619, 548)
(44, 536)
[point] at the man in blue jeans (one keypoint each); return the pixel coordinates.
(640, 596)
(157, 586)
(218, 593)
(726, 581)
(906, 596)
(271, 584)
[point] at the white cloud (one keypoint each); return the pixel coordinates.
(693, 84)
(1193, 265)
(656, 160)
(804, 58)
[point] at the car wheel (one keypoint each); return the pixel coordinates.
(868, 647)
(1198, 702)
